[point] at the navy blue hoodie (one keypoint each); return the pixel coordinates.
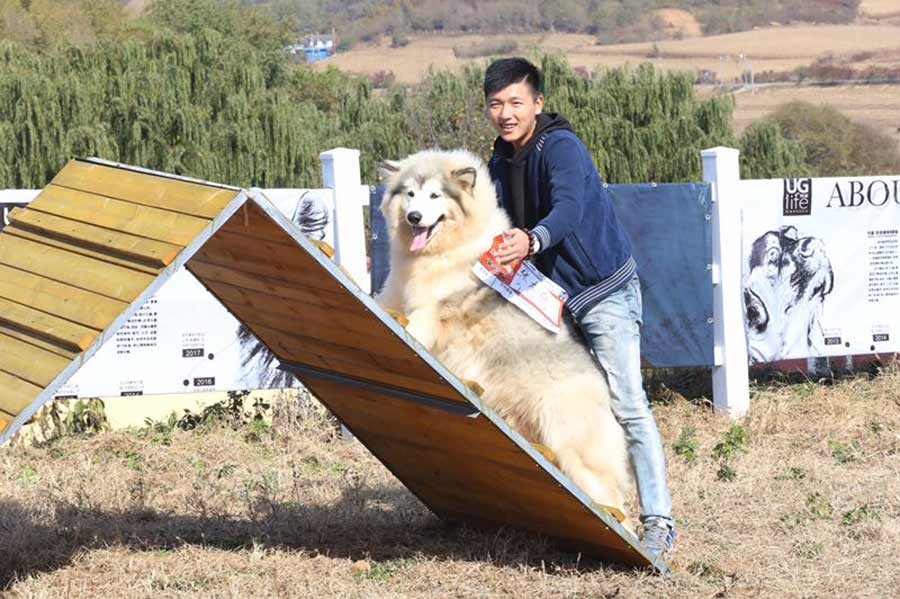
(552, 187)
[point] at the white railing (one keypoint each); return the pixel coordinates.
(341, 174)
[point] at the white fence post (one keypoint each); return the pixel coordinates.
(731, 392)
(340, 172)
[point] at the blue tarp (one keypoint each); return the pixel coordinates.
(671, 232)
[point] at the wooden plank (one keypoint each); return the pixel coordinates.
(252, 221)
(467, 468)
(157, 253)
(149, 190)
(29, 362)
(5, 420)
(81, 250)
(284, 263)
(379, 338)
(39, 342)
(73, 269)
(71, 303)
(353, 322)
(293, 349)
(16, 394)
(152, 223)
(67, 334)
(207, 272)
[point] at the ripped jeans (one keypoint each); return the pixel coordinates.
(612, 330)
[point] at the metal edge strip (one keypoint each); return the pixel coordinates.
(462, 409)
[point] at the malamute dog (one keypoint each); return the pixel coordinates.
(442, 214)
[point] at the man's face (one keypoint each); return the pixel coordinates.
(513, 112)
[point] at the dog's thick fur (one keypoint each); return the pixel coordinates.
(545, 386)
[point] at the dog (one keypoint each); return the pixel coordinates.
(787, 281)
(442, 214)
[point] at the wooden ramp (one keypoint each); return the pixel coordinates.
(102, 238)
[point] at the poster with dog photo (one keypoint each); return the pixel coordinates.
(821, 266)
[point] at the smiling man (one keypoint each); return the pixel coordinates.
(564, 221)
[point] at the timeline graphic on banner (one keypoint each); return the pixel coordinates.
(821, 267)
(183, 339)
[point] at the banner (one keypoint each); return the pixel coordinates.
(821, 267)
(183, 340)
(669, 227)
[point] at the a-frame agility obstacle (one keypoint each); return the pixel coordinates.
(102, 238)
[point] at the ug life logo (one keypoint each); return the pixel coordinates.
(797, 197)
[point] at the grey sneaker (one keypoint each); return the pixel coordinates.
(659, 537)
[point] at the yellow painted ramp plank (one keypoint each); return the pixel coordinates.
(152, 223)
(29, 362)
(39, 342)
(73, 269)
(149, 190)
(82, 250)
(67, 334)
(157, 253)
(71, 303)
(16, 394)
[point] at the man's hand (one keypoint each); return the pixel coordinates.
(515, 246)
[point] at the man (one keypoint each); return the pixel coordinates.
(565, 222)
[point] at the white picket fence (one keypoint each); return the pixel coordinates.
(341, 174)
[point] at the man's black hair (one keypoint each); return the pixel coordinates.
(507, 71)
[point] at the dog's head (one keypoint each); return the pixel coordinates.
(430, 195)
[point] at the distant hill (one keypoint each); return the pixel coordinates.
(613, 21)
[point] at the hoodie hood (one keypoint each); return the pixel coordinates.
(546, 122)
(521, 213)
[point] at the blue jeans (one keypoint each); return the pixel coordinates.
(612, 330)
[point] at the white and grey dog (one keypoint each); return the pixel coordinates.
(442, 214)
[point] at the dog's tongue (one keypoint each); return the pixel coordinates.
(420, 238)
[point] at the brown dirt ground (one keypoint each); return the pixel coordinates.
(812, 511)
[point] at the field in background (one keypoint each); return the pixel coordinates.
(802, 499)
(774, 48)
(779, 49)
(875, 105)
(880, 9)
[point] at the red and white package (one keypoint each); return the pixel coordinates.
(521, 283)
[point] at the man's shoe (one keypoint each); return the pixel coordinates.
(659, 537)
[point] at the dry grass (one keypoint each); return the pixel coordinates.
(880, 8)
(772, 48)
(875, 105)
(812, 510)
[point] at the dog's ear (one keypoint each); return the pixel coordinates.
(386, 168)
(465, 178)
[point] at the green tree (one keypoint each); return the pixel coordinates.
(834, 145)
(766, 154)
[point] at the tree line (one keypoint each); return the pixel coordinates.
(212, 95)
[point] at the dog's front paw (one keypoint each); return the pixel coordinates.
(403, 320)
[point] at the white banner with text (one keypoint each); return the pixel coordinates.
(821, 266)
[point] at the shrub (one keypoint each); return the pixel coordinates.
(489, 47)
(835, 146)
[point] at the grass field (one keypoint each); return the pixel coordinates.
(875, 105)
(774, 48)
(802, 499)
